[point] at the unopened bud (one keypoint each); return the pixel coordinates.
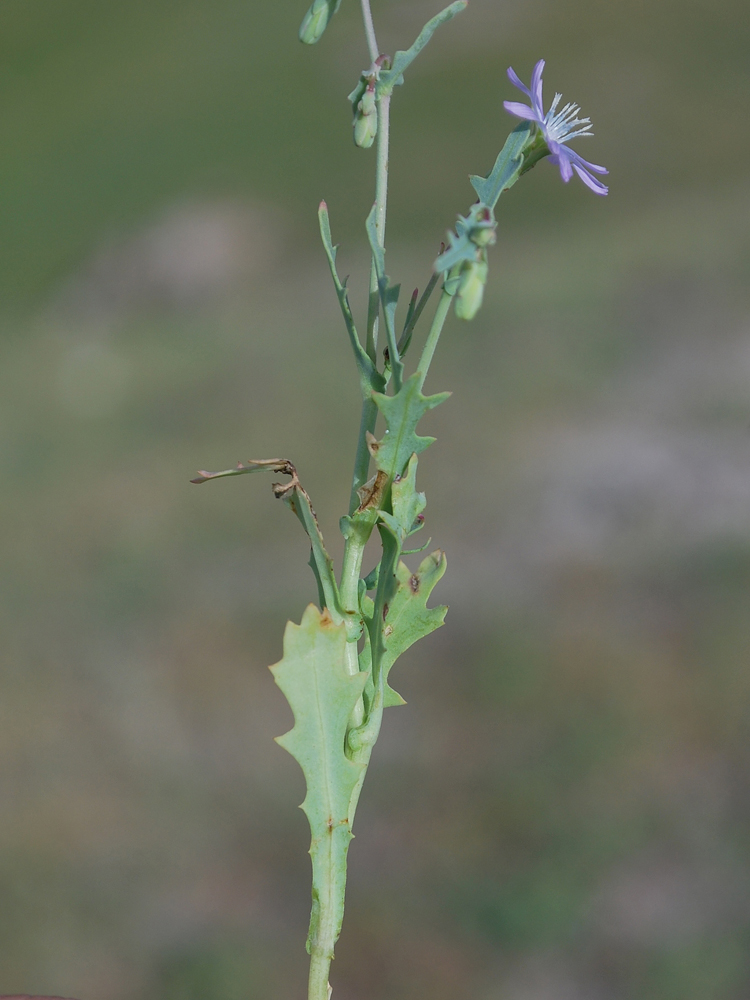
(483, 231)
(366, 119)
(316, 20)
(471, 288)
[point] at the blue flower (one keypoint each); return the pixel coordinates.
(558, 128)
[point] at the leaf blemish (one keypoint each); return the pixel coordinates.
(414, 584)
(385, 611)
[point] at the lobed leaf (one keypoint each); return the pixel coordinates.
(408, 618)
(507, 167)
(402, 413)
(322, 696)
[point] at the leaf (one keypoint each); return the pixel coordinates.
(322, 696)
(408, 618)
(369, 377)
(298, 501)
(402, 413)
(389, 300)
(507, 167)
(473, 232)
(406, 503)
(415, 311)
(393, 77)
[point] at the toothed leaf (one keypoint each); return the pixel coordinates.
(507, 167)
(402, 413)
(408, 618)
(322, 696)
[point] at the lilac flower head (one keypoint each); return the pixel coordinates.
(558, 128)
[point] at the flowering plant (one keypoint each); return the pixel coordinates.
(336, 667)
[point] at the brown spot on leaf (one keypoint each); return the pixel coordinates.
(325, 619)
(385, 611)
(414, 584)
(371, 494)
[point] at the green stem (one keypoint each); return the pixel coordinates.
(372, 42)
(318, 988)
(434, 336)
(354, 549)
(362, 459)
(381, 203)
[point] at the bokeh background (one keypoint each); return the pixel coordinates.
(562, 811)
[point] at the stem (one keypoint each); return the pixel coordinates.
(434, 336)
(354, 548)
(362, 459)
(318, 988)
(372, 42)
(381, 202)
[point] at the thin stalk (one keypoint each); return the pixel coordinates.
(433, 336)
(372, 42)
(381, 202)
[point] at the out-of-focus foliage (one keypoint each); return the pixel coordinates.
(561, 808)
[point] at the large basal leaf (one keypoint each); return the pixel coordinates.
(322, 696)
(402, 413)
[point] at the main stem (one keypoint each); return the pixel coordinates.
(355, 546)
(322, 952)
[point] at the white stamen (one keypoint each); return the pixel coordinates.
(560, 127)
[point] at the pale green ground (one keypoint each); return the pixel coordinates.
(560, 812)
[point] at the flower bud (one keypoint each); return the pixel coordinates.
(316, 20)
(483, 231)
(365, 130)
(471, 288)
(366, 119)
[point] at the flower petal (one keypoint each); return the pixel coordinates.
(536, 88)
(563, 162)
(591, 182)
(521, 111)
(516, 81)
(588, 166)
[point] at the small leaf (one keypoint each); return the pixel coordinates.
(408, 618)
(402, 413)
(297, 499)
(393, 77)
(322, 696)
(388, 298)
(369, 377)
(407, 504)
(507, 167)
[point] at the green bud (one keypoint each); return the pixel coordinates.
(367, 102)
(471, 288)
(316, 20)
(482, 232)
(365, 130)
(366, 119)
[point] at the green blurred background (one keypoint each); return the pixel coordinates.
(562, 811)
